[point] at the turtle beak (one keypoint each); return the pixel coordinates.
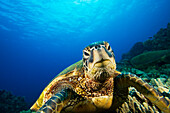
(100, 57)
(102, 63)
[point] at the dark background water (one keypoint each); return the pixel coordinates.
(39, 39)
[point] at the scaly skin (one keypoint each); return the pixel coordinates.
(123, 81)
(56, 103)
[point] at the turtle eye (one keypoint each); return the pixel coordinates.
(109, 47)
(86, 53)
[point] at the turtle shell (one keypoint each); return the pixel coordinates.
(78, 65)
(62, 75)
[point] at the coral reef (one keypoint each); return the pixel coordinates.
(10, 103)
(160, 41)
(151, 56)
(147, 75)
(138, 46)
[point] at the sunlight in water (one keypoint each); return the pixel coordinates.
(53, 18)
(84, 1)
(62, 18)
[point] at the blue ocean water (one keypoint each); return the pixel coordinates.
(39, 38)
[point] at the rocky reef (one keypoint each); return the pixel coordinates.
(10, 103)
(151, 56)
(160, 41)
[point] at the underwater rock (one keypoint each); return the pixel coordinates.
(10, 103)
(160, 41)
(132, 70)
(137, 49)
(155, 71)
(150, 58)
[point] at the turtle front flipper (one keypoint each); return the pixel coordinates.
(56, 102)
(123, 81)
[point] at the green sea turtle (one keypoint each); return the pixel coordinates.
(93, 85)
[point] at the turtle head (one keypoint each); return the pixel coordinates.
(99, 61)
